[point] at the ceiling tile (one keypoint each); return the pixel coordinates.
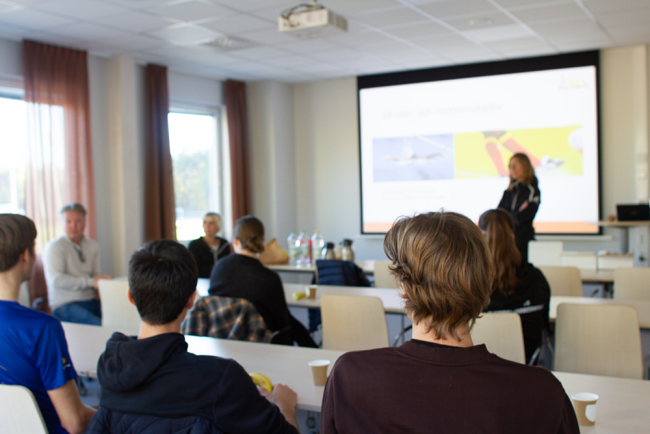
(129, 43)
(500, 33)
(524, 4)
(458, 7)
(415, 30)
(479, 21)
(549, 12)
(450, 45)
(567, 31)
(269, 37)
(285, 61)
(135, 22)
(626, 18)
(185, 34)
(591, 44)
(435, 62)
(252, 5)
(32, 19)
(344, 7)
(83, 10)
(260, 53)
(390, 17)
(86, 32)
(529, 52)
(309, 46)
(600, 6)
(359, 39)
(517, 44)
(238, 24)
(476, 58)
(192, 10)
(7, 7)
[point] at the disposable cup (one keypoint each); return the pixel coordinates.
(584, 405)
(319, 371)
(311, 292)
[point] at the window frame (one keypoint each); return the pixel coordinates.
(216, 177)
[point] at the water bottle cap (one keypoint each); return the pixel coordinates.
(330, 245)
(347, 242)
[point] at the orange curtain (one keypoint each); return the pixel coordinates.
(60, 163)
(235, 101)
(160, 210)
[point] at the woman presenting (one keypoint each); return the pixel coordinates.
(521, 200)
(209, 249)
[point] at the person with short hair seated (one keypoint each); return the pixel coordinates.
(518, 287)
(440, 381)
(152, 384)
(210, 248)
(242, 275)
(33, 349)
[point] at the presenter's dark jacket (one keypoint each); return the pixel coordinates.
(512, 201)
(203, 254)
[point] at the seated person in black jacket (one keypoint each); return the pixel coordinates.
(518, 286)
(151, 384)
(242, 275)
(210, 248)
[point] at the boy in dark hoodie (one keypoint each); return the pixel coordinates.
(151, 384)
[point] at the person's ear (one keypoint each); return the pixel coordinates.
(129, 296)
(190, 301)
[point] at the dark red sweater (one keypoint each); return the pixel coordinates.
(420, 388)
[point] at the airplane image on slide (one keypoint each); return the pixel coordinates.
(414, 158)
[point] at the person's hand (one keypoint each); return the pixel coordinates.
(282, 396)
(96, 279)
(285, 398)
(523, 206)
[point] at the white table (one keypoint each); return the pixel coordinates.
(281, 363)
(389, 297)
(622, 407)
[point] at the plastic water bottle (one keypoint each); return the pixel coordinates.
(291, 248)
(317, 244)
(302, 246)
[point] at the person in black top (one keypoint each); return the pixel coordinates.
(242, 275)
(521, 200)
(152, 384)
(518, 286)
(209, 249)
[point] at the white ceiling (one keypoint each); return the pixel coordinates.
(383, 36)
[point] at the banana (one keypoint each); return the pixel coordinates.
(262, 380)
(298, 295)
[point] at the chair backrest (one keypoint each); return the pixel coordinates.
(226, 318)
(352, 322)
(584, 260)
(632, 284)
(545, 253)
(563, 280)
(340, 273)
(19, 412)
(502, 335)
(383, 278)
(117, 312)
(598, 340)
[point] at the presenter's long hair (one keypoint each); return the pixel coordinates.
(528, 169)
(498, 227)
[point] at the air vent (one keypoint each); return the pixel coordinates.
(229, 43)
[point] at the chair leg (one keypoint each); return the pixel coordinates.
(81, 386)
(401, 334)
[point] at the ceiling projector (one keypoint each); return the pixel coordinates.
(309, 21)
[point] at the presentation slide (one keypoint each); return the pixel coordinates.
(446, 145)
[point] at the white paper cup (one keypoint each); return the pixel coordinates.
(584, 405)
(319, 371)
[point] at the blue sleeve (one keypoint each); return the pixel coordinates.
(52, 357)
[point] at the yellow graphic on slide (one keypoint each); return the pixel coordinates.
(552, 151)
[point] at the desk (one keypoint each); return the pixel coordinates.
(597, 276)
(368, 267)
(622, 407)
(624, 227)
(389, 297)
(282, 364)
(623, 404)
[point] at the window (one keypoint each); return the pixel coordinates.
(196, 158)
(13, 146)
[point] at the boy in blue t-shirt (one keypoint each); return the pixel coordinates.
(34, 350)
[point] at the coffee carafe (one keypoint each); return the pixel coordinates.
(347, 252)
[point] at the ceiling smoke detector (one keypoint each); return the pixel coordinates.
(229, 43)
(309, 21)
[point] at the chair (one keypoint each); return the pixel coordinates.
(352, 322)
(19, 412)
(117, 311)
(383, 278)
(226, 318)
(545, 253)
(563, 280)
(502, 335)
(632, 284)
(598, 340)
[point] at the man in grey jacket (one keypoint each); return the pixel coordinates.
(71, 264)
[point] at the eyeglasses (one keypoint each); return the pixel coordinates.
(514, 165)
(80, 252)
